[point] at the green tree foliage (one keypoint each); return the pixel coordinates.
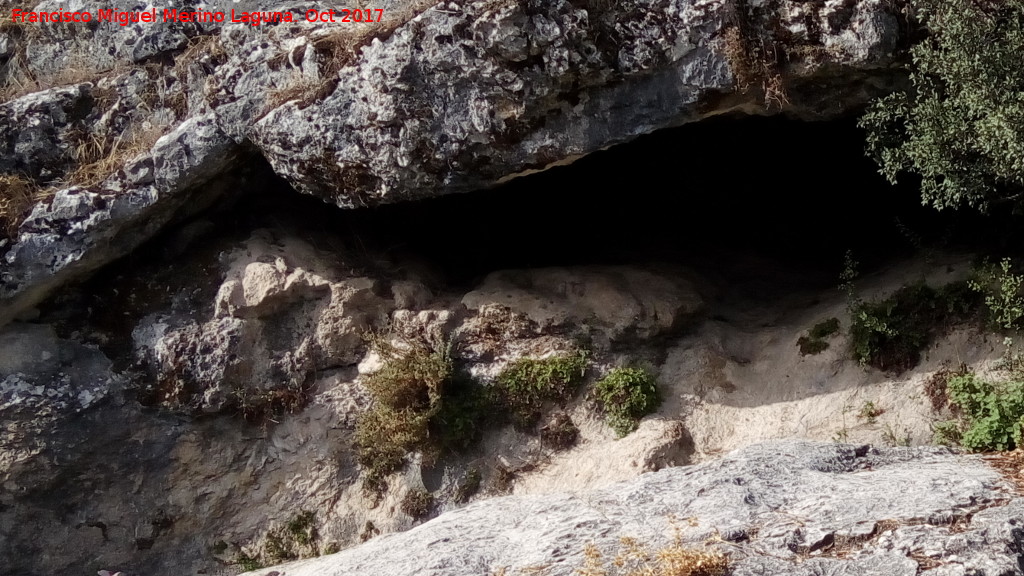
(961, 127)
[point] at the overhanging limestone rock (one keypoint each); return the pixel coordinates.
(467, 95)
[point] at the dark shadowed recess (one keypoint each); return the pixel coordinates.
(721, 194)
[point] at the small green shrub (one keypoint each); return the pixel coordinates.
(825, 328)
(298, 538)
(417, 503)
(814, 342)
(407, 394)
(422, 403)
(248, 563)
(889, 334)
(524, 386)
(626, 395)
(302, 529)
(946, 433)
(992, 412)
(870, 412)
(465, 410)
(1001, 289)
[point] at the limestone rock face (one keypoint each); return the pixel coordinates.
(81, 229)
(620, 301)
(280, 315)
(775, 509)
(435, 98)
(469, 94)
(44, 381)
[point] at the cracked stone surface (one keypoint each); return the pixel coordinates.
(777, 508)
(435, 99)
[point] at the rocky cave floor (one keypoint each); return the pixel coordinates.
(191, 407)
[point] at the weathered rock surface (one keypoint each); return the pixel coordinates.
(194, 405)
(620, 302)
(788, 508)
(466, 95)
(434, 99)
(44, 382)
(81, 229)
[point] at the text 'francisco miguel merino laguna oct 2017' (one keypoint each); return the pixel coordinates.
(127, 17)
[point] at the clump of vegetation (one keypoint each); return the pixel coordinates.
(263, 406)
(635, 559)
(890, 334)
(422, 403)
(869, 412)
(935, 389)
(814, 342)
(754, 56)
(959, 128)
(417, 503)
(407, 395)
(469, 485)
(298, 538)
(626, 395)
(17, 194)
(1001, 289)
(466, 408)
(524, 387)
(893, 437)
(991, 413)
(248, 563)
(560, 432)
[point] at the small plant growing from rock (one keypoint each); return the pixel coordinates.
(635, 559)
(417, 503)
(893, 437)
(814, 342)
(407, 394)
(869, 412)
(889, 334)
(526, 385)
(247, 563)
(469, 485)
(992, 413)
(626, 395)
(560, 432)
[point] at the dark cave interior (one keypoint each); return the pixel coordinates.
(714, 194)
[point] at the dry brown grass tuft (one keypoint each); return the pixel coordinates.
(20, 79)
(98, 156)
(17, 194)
(755, 61)
(1011, 466)
(636, 559)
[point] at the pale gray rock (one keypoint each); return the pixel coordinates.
(617, 301)
(435, 99)
(467, 95)
(280, 315)
(44, 380)
(779, 508)
(81, 229)
(35, 130)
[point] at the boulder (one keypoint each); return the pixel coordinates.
(781, 508)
